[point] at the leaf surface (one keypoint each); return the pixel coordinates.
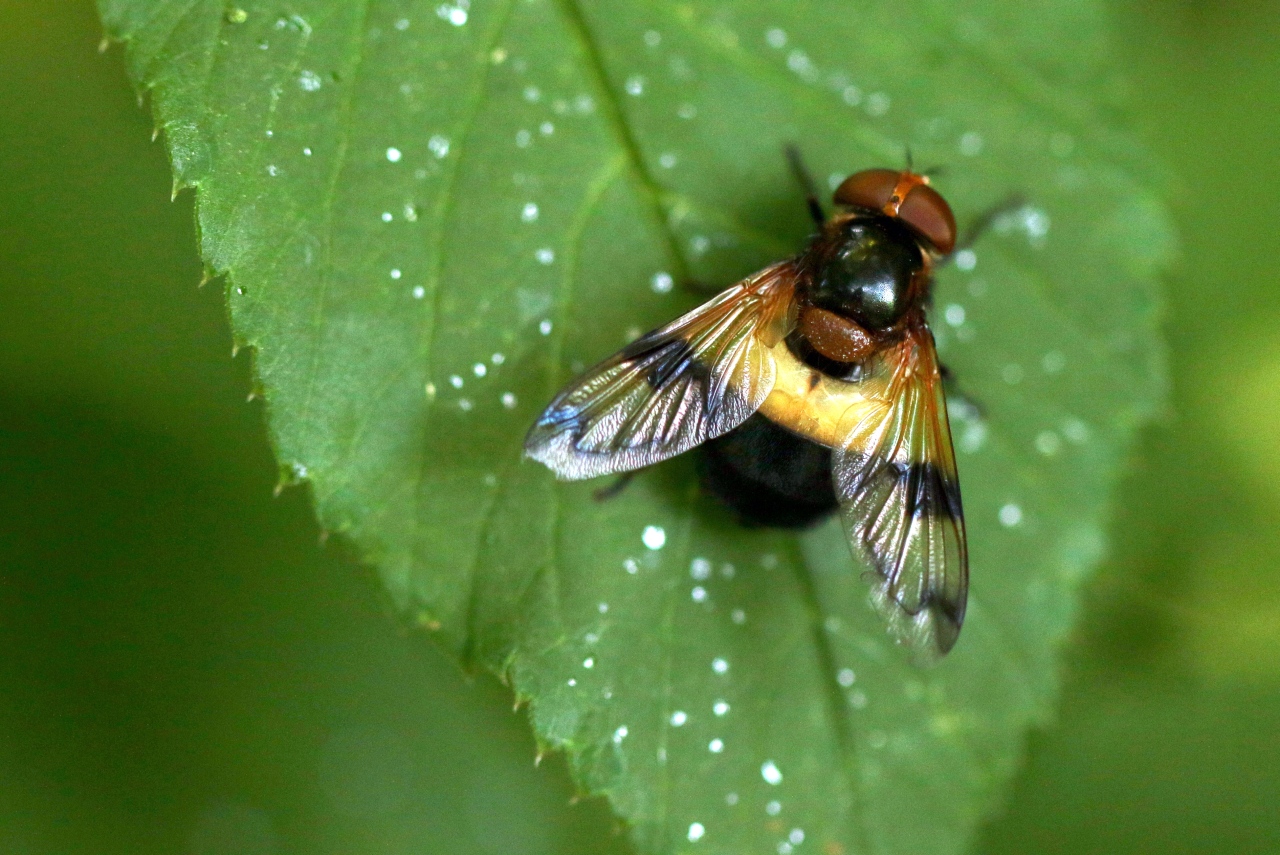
(432, 215)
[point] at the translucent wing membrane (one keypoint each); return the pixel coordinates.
(694, 379)
(895, 477)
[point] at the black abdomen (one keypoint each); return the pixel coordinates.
(769, 475)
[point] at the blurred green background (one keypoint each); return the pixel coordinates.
(184, 668)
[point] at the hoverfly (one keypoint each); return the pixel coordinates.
(811, 386)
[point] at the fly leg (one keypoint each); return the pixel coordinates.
(963, 403)
(610, 491)
(983, 223)
(806, 181)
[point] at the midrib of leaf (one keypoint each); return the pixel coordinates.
(596, 189)
(750, 64)
(440, 211)
(615, 117)
(837, 707)
(352, 74)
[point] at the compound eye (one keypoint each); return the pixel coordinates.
(870, 188)
(928, 213)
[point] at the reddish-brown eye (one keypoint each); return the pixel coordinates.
(870, 188)
(904, 195)
(928, 213)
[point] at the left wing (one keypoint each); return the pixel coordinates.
(694, 379)
(894, 471)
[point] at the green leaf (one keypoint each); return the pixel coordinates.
(432, 215)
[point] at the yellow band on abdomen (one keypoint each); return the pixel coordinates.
(816, 405)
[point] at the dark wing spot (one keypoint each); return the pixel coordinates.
(814, 379)
(931, 492)
(666, 359)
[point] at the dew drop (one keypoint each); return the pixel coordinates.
(1010, 515)
(395, 273)
(1048, 443)
(652, 38)
(966, 259)
(846, 677)
(387, 216)
(544, 327)
(852, 96)
(1075, 431)
(686, 111)
(773, 808)
(620, 734)
(770, 772)
(631, 566)
(455, 381)
(654, 537)
(667, 160)
(546, 255)
(799, 62)
(954, 313)
(776, 38)
(438, 145)
(1012, 373)
(307, 151)
(716, 745)
(720, 708)
(699, 594)
(394, 155)
(419, 292)
(454, 14)
(1053, 362)
(529, 212)
(635, 84)
(465, 404)
(532, 94)
(696, 832)
(1035, 222)
(877, 104)
(796, 837)
(678, 718)
(719, 665)
(662, 282)
(589, 662)
(309, 81)
(523, 138)
(700, 569)
(479, 369)
(508, 400)
(402, 24)
(971, 144)
(738, 616)
(237, 16)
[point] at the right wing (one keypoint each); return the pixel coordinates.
(895, 477)
(694, 379)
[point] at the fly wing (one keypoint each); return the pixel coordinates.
(895, 477)
(689, 381)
